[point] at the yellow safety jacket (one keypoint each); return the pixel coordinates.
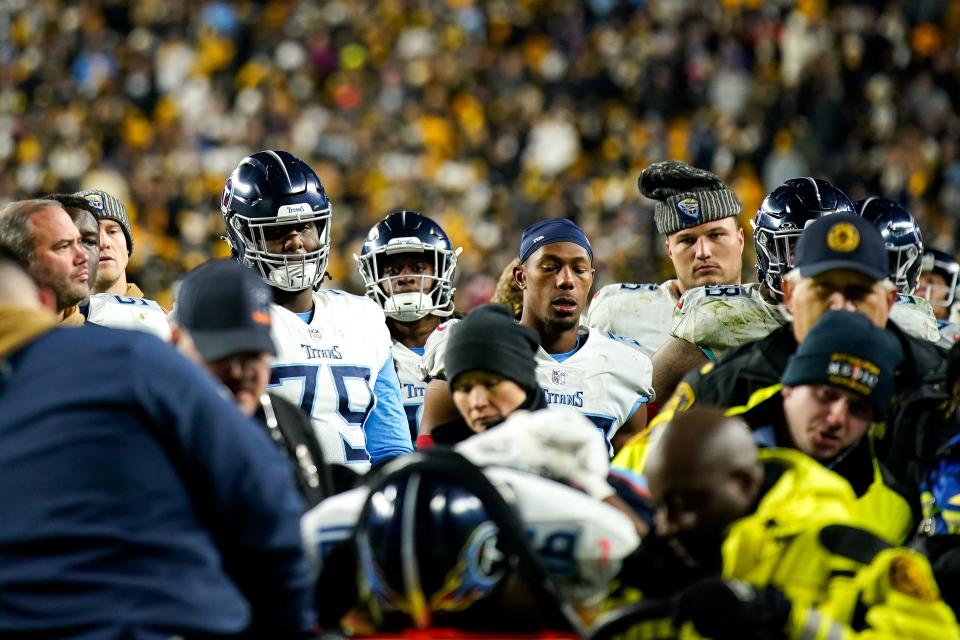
(807, 539)
(883, 510)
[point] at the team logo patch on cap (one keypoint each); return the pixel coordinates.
(843, 237)
(688, 208)
(95, 201)
(854, 373)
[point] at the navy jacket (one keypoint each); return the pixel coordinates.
(135, 501)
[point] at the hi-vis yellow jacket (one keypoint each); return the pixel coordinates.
(883, 510)
(806, 539)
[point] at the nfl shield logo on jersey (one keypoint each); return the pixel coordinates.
(558, 377)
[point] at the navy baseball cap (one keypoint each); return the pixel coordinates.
(226, 309)
(841, 241)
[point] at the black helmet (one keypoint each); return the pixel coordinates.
(901, 235)
(409, 232)
(269, 191)
(781, 218)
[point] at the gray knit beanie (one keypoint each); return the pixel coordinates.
(109, 208)
(686, 196)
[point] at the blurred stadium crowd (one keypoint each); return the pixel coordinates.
(484, 115)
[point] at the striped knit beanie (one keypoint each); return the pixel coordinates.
(686, 196)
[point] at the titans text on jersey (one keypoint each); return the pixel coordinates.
(607, 378)
(339, 369)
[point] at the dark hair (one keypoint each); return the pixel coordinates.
(71, 201)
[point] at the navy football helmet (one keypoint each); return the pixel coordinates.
(268, 193)
(438, 545)
(901, 234)
(407, 297)
(947, 267)
(426, 547)
(781, 218)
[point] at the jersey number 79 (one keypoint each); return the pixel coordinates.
(319, 398)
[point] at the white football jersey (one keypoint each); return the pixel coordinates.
(412, 386)
(330, 368)
(915, 316)
(582, 540)
(126, 312)
(720, 317)
(643, 312)
(431, 365)
(606, 379)
(949, 333)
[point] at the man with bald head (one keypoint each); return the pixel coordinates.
(705, 474)
(771, 543)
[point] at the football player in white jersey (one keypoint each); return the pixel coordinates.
(697, 215)
(710, 320)
(334, 356)
(120, 304)
(605, 376)
(532, 460)
(938, 284)
(407, 264)
(901, 235)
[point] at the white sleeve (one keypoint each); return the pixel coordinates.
(721, 317)
(330, 523)
(431, 366)
(581, 540)
(557, 442)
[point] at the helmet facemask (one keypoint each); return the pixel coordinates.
(940, 295)
(776, 252)
(905, 263)
(432, 294)
(289, 272)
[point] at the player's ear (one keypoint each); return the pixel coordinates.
(520, 276)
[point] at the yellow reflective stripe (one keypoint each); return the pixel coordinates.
(758, 396)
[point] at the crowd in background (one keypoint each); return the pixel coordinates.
(484, 115)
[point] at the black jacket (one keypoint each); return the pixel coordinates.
(915, 419)
(292, 431)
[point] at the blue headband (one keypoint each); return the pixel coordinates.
(547, 232)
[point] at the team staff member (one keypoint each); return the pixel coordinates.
(138, 503)
(698, 216)
(605, 377)
(107, 309)
(222, 322)
(48, 244)
(488, 379)
(838, 383)
(841, 263)
(770, 544)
